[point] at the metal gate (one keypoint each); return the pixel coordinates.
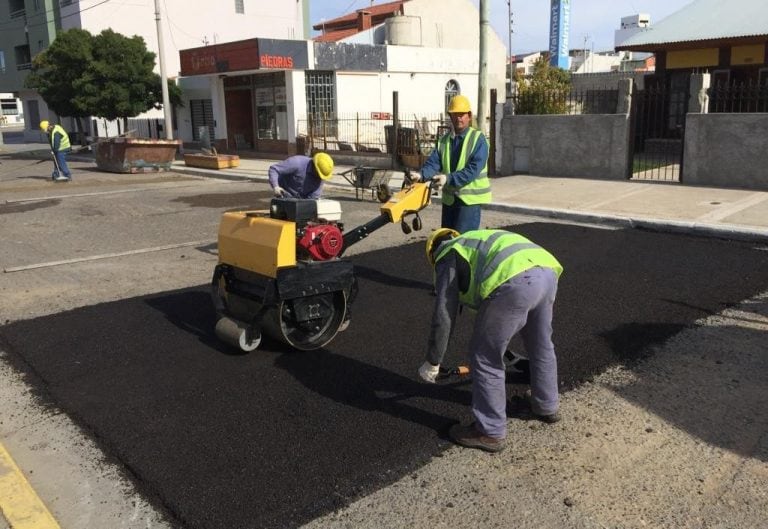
(658, 130)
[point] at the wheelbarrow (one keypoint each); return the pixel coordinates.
(364, 178)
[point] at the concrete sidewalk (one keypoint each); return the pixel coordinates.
(727, 213)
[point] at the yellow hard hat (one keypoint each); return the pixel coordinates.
(435, 238)
(459, 103)
(323, 165)
(44, 126)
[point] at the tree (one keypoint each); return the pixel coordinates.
(107, 75)
(58, 73)
(545, 91)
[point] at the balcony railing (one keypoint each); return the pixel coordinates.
(24, 66)
(18, 13)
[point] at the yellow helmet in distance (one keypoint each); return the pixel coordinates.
(435, 238)
(323, 165)
(44, 126)
(459, 104)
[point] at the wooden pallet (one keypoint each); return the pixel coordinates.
(208, 161)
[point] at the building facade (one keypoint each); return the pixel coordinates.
(28, 27)
(261, 94)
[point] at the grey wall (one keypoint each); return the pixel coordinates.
(588, 146)
(726, 150)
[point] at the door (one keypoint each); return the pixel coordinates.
(239, 119)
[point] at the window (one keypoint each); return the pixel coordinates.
(321, 100)
(202, 120)
(240, 7)
(451, 89)
(2, 61)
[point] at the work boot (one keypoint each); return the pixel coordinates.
(469, 437)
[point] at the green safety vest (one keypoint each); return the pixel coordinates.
(477, 191)
(495, 256)
(64, 143)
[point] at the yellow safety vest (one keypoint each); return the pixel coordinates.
(477, 191)
(495, 256)
(64, 143)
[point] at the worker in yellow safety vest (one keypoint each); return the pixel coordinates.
(60, 147)
(459, 165)
(511, 283)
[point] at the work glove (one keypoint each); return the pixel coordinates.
(429, 372)
(440, 180)
(279, 191)
(415, 177)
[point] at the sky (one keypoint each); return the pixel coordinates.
(593, 22)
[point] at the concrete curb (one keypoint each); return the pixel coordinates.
(719, 231)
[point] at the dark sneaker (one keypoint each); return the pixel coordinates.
(469, 437)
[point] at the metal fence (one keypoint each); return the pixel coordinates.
(589, 101)
(372, 133)
(740, 97)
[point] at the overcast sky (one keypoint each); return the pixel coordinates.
(595, 20)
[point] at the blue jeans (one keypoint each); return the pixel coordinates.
(61, 161)
(461, 217)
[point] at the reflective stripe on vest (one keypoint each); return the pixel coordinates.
(495, 256)
(64, 143)
(477, 191)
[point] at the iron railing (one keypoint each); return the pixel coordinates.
(566, 102)
(739, 97)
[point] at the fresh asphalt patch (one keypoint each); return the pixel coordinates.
(276, 437)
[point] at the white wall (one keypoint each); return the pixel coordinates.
(189, 24)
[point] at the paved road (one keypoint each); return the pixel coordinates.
(123, 346)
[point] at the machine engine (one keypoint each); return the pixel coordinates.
(320, 241)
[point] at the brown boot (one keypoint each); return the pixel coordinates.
(469, 437)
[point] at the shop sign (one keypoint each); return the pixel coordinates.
(276, 54)
(220, 58)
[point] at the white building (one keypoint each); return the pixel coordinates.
(257, 94)
(29, 26)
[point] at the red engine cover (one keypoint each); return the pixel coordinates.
(322, 241)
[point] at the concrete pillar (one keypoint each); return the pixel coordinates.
(698, 100)
(625, 96)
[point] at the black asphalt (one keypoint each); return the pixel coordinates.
(275, 438)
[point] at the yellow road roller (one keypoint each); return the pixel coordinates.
(281, 272)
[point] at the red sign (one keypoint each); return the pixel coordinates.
(276, 61)
(381, 115)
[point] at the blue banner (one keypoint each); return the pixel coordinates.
(559, 25)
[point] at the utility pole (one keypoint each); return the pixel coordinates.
(163, 78)
(510, 54)
(482, 86)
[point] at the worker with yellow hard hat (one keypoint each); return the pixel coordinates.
(301, 176)
(60, 147)
(459, 165)
(511, 283)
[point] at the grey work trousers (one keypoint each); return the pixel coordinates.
(522, 304)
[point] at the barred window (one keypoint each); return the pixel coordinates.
(240, 6)
(321, 99)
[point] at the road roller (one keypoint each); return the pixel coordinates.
(281, 271)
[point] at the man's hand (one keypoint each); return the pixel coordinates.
(429, 372)
(415, 177)
(279, 191)
(440, 180)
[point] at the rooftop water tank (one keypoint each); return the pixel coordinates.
(403, 30)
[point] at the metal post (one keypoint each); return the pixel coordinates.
(509, 53)
(163, 78)
(482, 86)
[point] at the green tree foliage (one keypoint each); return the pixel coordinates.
(107, 75)
(59, 72)
(545, 91)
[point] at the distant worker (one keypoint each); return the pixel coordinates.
(300, 176)
(459, 165)
(511, 283)
(60, 147)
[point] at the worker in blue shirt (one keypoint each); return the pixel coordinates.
(300, 176)
(459, 165)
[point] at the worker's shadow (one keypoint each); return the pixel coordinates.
(372, 388)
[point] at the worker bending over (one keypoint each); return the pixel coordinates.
(511, 282)
(60, 147)
(300, 176)
(459, 165)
